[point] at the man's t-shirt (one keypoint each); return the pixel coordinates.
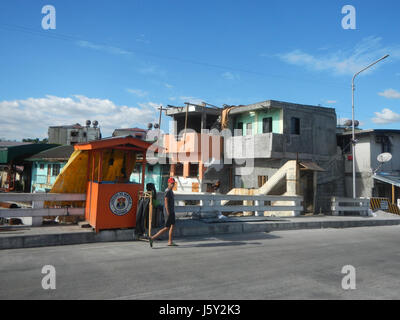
(169, 194)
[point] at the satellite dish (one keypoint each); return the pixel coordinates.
(384, 157)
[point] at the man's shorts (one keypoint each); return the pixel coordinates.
(170, 220)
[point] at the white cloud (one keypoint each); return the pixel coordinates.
(30, 118)
(138, 92)
(344, 62)
(169, 86)
(330, 101)
(142, 38)
(386, 116)
(230, 76)
(108, 49)
(390, 94)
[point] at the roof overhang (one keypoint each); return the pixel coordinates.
(312, 166)
(126, 142)
(394, 180)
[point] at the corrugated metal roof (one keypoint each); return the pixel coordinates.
(20, 152)
(57, 153)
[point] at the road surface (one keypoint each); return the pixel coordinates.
(304, 264)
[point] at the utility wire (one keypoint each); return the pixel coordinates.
(64, 37)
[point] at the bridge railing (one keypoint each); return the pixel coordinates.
(254, 203)
(33, 204)
(342, 205)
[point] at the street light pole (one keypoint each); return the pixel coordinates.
(353, 142)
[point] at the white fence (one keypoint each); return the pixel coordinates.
(208, 203)
(212, 203)
(38, 211)
(342, 205)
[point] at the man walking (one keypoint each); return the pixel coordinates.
(169, 207)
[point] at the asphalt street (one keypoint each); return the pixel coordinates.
(298, 264)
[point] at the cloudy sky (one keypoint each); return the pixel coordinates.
(118, 61)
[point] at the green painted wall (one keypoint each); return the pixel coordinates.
(256, 118)
(158, 175)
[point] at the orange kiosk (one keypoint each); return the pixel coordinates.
(112, 204)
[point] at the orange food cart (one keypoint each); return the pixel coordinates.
(112, 204)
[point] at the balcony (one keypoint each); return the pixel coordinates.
(194, 143)
(254, 146)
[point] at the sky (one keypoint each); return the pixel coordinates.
(118, 61)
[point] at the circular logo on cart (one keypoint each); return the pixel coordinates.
(120, 203)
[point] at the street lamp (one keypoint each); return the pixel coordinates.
(353, 142)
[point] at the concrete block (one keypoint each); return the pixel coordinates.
(105, 235)
(12, 243)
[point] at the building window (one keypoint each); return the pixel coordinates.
(267, 125)
(240, 127)
(262, 180)
(179, 169)
(294, 125)
(56, 170)
(193, 169)
(41, 166)
(150, 168)
(249, 129)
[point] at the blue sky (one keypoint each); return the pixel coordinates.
(117, 61)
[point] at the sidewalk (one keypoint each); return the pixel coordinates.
(26, 237)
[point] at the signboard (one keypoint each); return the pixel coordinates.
(120, 203)
(384, 205)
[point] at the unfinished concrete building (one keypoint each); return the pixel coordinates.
(73, 134)
(268, 134)
(194, 154)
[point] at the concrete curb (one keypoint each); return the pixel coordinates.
(197, 229)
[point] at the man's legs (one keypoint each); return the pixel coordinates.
(159, 233)
(171, 230)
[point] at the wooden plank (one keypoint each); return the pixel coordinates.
(27, 197)
(42, 212)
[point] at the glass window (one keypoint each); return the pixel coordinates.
(193, 169)
(240, 127)
(267, 125)
(179, 169)
(56, 170)
(42, 166)
(249, 129)
(294, 125)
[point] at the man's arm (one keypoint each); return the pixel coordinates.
(166, 205)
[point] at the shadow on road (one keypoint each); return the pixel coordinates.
(228, 240)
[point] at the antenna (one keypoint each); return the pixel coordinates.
(383, 158)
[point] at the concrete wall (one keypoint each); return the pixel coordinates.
(256, 119)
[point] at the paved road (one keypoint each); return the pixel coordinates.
(286, 264)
